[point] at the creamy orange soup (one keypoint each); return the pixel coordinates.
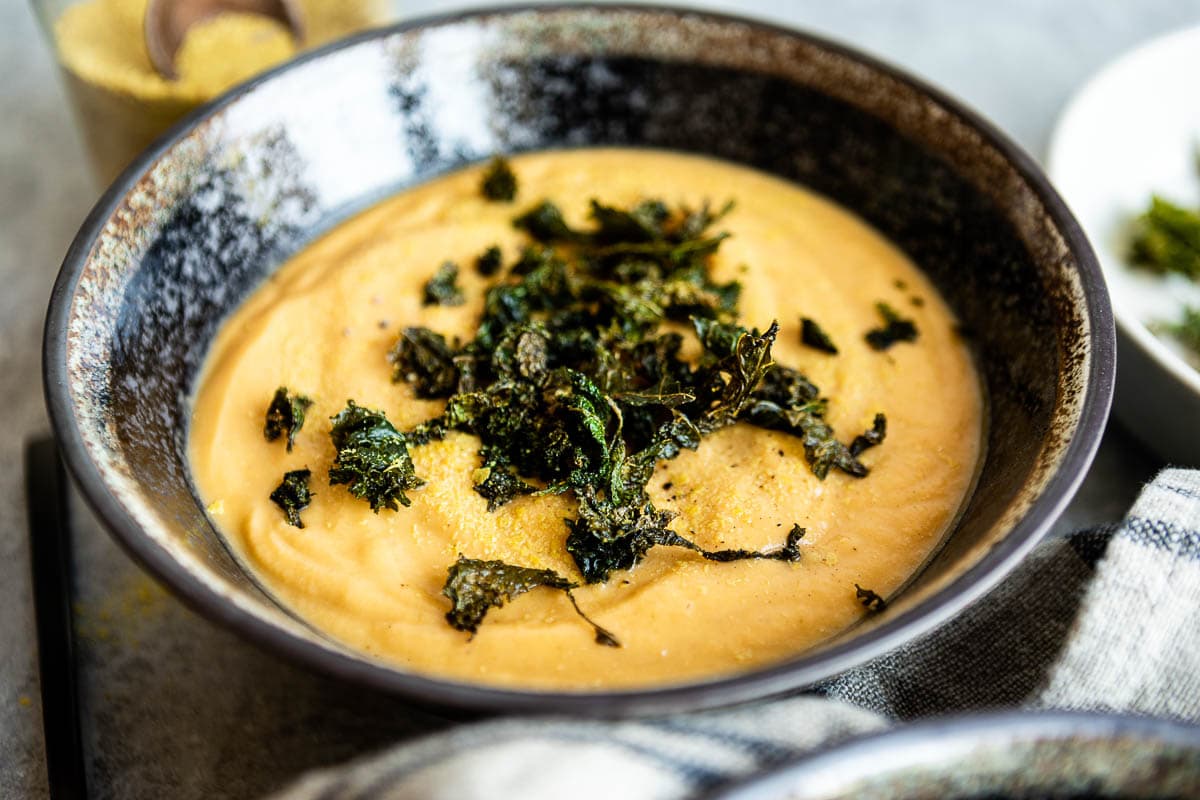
(324, 323)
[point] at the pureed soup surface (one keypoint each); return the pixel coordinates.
(323, 326)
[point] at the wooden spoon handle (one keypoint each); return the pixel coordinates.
(167, 23)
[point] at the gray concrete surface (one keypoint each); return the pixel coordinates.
(177, 708)
(44, 194)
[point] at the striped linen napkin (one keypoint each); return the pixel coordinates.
(1104, 620)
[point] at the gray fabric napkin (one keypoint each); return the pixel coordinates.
(1102, 620)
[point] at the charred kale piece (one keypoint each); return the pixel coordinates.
(292, 495)
(545, 223)
(788, 402)
(285, 416)
(499, 182)
(734, 363)
(789, 552)
(372, 458)
(574, 384)
(815, 337)
(499, 485)
(895, 329)
(871, 437)
(871, 601)
(489, 262)
(422, 358)
(475, 587)
(442, 289)
(609, 538)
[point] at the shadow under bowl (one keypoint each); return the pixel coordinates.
(188, 231)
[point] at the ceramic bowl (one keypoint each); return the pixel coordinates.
(200, 219)
(1127, 118)
(1013, 756)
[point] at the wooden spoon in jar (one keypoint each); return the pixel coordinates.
(168, 21)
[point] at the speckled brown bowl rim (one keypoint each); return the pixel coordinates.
(798, 673)
(883, 753)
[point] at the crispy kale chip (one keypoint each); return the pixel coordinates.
(372, 458)
(871, 601)
(545, 223)
(499, 181)
(895, 329)
(789, 402)
(871, 437)
(475, 587)
(576, 383)
(422, 358)
(499, 485)
(734, 363)
(292, 495)
(789, 552)
(285, 416)
(442, 289)
(607, 538)
(489, 261)
(815, 337)
(1167, 239)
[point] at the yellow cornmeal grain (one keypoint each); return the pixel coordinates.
(122, 101)
(373, 581)
(124, 614)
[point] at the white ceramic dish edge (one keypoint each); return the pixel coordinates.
(1127, 133)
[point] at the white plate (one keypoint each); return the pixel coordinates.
(1132, 131)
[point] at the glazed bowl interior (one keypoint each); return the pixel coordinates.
(1016, 756)
(189, 230)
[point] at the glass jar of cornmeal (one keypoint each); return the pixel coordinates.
(120, 100)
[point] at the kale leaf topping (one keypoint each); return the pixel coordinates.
(489, 261)
(285, 416)
(895, 329)
(788, 402)
(608, 538)
(815, 337)
(292, 495)
(498, 485)
(499, 182)
(871, 437)
(475, 587)
(871, 601)
(442, 289)
(545, 223)
(572, 386)
(1167, 239)
(422, 358)
(372, 458)
(576, 382)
